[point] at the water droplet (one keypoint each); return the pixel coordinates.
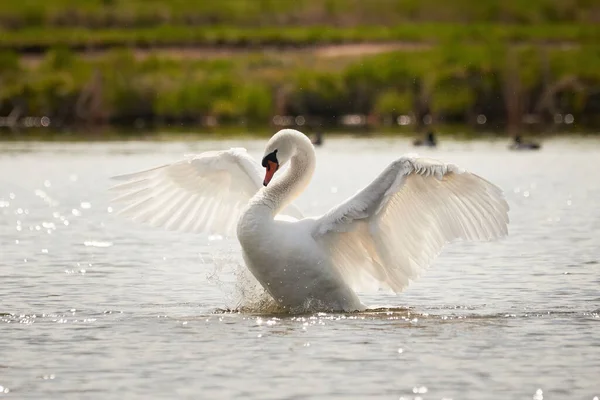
(45, 251)
(73, 177)
(12, 196)
(400, 351)
(76, 212)
(569, 202)
(49, 225)
(420, 389)
(86, 205)
(334, 189)
(539, 395)
(526, 193)
(109, 209)
(47, 183)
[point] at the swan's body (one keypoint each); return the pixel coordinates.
(299, 275)
(382, 237)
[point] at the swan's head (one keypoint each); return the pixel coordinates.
(280, 149)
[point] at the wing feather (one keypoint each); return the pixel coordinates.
(202, 193)
(388, 233)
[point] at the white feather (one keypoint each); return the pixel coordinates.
(382, 237)
(388, 233)
(203, 193)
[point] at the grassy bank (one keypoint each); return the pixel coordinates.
(145, 63)
(40, 39)
(37, 25)
(134, 14)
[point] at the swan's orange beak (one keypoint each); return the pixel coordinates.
(271, 167)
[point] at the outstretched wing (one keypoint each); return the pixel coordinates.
(388, 233)
(203, 193)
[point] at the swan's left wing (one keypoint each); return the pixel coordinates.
(388, 233)
(203, 193)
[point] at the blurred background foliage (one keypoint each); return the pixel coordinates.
(190, 62)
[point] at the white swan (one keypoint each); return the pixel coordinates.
(382, 237)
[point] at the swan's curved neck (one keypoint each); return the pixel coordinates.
(285, 188)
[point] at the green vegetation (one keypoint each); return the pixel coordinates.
(142, 62)
(138, 13)
(36, 25)
(38, 38)
(460, 81)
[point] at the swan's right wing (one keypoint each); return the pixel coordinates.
(203, 193)
(388, 233)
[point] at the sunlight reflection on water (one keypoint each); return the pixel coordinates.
(100, 307)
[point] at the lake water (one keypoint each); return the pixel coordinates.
(93, 306)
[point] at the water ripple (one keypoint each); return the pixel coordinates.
(93, 306)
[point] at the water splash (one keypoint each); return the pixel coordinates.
(246, 295)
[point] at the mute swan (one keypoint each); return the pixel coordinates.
(381, 238)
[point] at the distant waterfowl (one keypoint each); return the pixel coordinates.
(384, 236)
(519, 144)
(317, 139)
(429, 141)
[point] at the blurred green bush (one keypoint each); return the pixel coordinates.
(80, 62)
(459, 81)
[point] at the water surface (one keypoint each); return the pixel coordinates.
(93, 306)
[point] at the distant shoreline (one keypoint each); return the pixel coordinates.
(110, 134)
